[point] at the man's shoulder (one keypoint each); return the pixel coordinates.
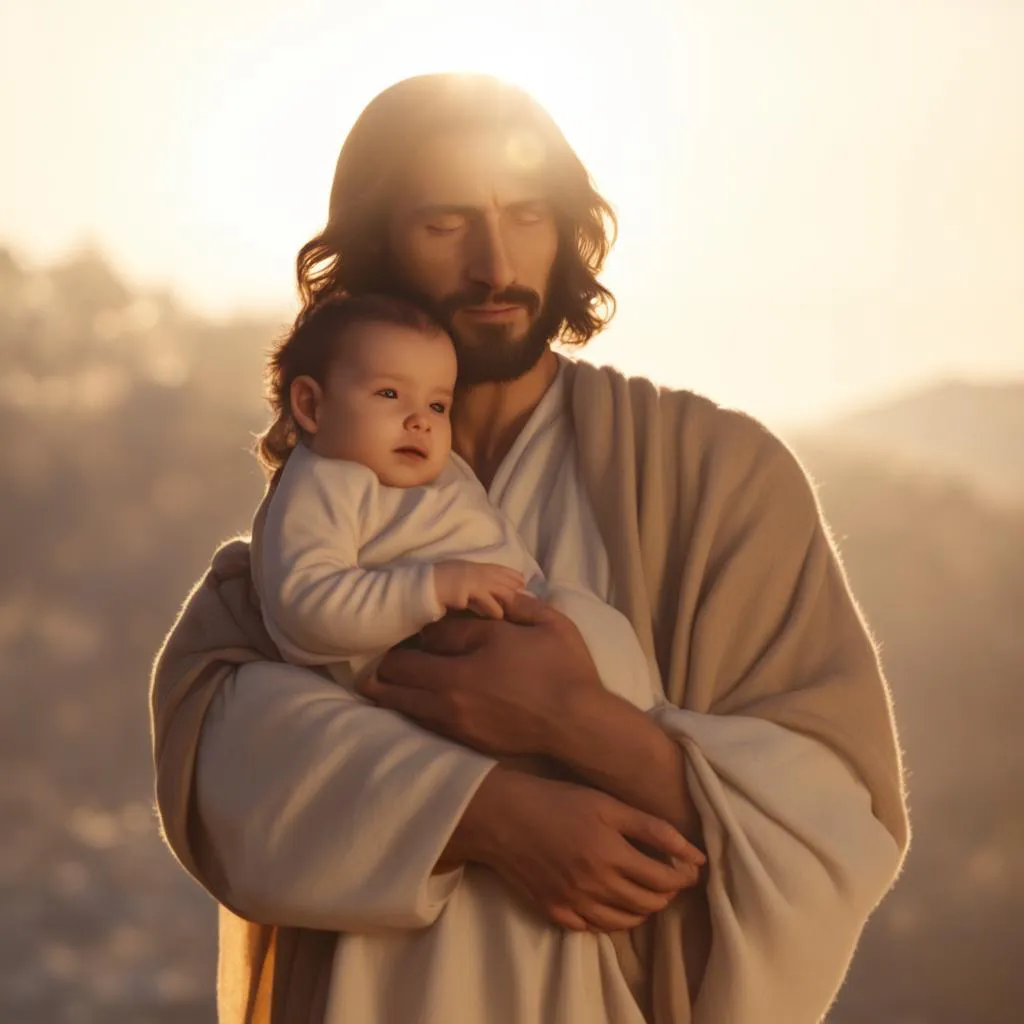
(720, 426)
(715, 449)
(691, 418)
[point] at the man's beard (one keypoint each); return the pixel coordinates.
(490, 353)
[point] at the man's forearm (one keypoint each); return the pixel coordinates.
(468, 839)
(614, 746)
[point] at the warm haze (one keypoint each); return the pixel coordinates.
(818, 202)
(822, 222)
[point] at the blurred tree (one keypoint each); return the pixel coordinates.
(86, 285)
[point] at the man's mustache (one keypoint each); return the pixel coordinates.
(481, 295)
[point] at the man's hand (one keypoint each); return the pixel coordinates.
(502, 687)
(569, 851)
(480, 587)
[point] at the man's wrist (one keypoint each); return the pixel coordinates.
(475, 837)
(609, 744)
(563, 736)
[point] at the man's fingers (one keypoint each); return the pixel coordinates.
(418, 704)
(662, 836)
(638, 899)
(655, 875)
(602, 918)
(453, 635)
(566, 918)
(688, 874)
(411, 669)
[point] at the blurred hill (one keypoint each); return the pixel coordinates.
(969, 430)
(939, 574)
(128, 423)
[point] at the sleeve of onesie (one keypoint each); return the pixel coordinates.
(319, 606)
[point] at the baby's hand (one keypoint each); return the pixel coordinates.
(479, 586)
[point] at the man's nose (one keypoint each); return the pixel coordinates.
(490, 263)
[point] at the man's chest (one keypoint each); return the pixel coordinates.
(544, 497)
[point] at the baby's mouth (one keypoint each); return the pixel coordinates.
(412, 451)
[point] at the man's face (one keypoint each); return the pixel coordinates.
(474, 234)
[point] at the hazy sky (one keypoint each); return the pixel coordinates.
(818, 201)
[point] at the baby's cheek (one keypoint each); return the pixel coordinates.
(332, 442)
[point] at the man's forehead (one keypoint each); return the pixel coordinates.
(474, 168)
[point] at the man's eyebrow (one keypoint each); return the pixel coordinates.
(444, 209)
(427, 210)
(529, 201)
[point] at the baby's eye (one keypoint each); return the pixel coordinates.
(388, 393)
(439, 407)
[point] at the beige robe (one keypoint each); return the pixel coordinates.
(719, 558)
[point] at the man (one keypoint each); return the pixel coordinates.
(338, 830)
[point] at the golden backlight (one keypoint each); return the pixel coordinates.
(275, 113)
(818, 203)
(821, 209)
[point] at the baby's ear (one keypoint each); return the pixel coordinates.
(305, 396)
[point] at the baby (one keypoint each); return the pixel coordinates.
(374, 528)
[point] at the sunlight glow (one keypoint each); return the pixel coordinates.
(816, 202)
(263, 153)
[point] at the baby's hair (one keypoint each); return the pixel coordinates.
(307, 350)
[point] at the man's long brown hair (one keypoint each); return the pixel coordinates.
(350, 256)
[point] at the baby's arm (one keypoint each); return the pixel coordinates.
(333, 612)
(319, 606)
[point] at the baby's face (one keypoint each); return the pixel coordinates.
(387, 403)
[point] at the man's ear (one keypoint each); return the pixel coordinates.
(305, 396)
